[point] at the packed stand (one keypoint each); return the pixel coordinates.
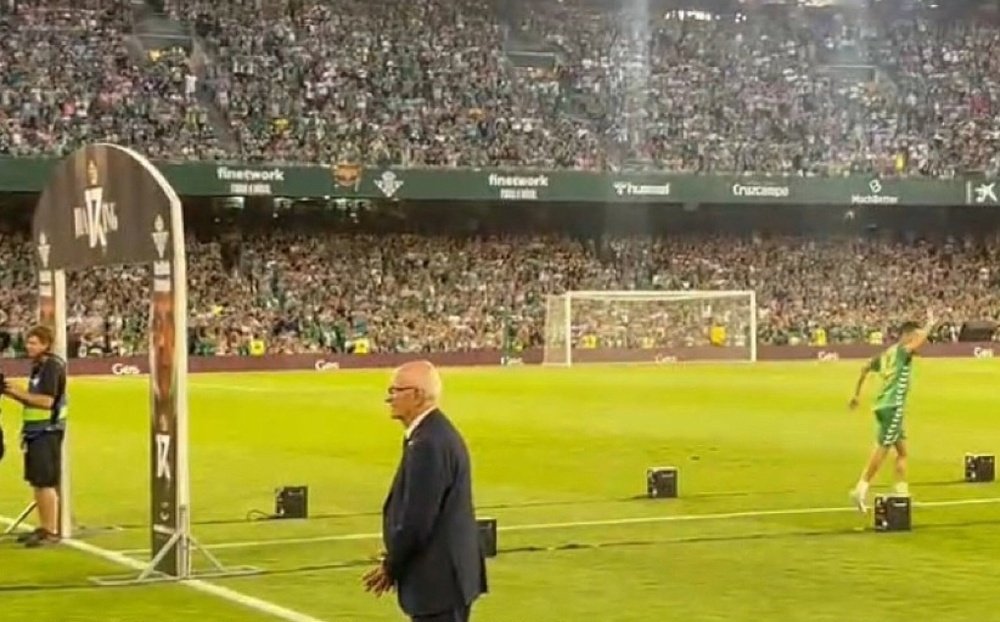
(428, 83)
(67, 78)
(311, 293)
(431, 83)
(948, 81)
(776, 94)
(421, 83)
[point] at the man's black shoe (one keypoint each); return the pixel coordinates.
(41, 538)
(24, 537)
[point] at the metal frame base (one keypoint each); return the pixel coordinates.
(154, 577)
(186, 543)
(150, 575)
(23, 516)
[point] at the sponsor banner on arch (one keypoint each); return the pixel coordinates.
(101, 207)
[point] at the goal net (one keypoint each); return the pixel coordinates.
(650, 326)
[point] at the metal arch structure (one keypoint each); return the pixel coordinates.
(107, 205)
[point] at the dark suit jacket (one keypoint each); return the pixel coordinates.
(429, 523)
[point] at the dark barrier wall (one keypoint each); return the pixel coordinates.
(135, 366)
(499, 186)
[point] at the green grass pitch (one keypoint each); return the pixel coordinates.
(758, 447)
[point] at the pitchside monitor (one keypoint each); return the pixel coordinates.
(978, 330)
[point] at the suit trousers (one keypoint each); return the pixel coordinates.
(458, 614)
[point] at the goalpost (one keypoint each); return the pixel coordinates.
(651, 326)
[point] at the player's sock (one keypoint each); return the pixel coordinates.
(862, 489)
(858, 495)
(902, 488)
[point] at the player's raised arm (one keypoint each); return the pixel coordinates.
(919, 336)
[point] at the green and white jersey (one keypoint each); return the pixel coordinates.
(893, 367)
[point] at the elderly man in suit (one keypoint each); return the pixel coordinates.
(432, 554)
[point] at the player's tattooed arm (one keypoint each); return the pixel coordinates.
(868, 367)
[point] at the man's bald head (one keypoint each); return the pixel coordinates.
(416, 386)
(423, 376)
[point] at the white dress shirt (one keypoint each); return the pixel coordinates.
(417, 421)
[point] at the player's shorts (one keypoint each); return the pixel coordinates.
(889, 426)
(43, 460)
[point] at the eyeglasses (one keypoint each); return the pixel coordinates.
(393, 391)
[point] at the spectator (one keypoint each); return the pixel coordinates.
(405, 293)
(430, 83)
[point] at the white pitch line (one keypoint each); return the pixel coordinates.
(239, 388)
(225, 593)
(130, 382)
(639, 520)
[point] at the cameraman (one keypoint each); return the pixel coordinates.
(44, 422)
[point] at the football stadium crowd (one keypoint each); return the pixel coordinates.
(447, 83)
(410, 293)
(552, 84)
(67, 78)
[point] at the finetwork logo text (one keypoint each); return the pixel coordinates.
(248, 174)
(518, 187)
(248, 181)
